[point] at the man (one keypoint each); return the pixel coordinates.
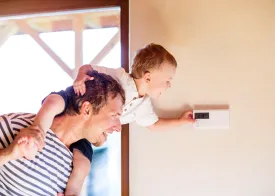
(92, 116)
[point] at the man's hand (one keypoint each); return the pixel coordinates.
(30, 140)
(82, 77)
(13, 150)
(187, 117)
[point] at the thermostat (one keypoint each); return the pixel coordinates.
(211, 119)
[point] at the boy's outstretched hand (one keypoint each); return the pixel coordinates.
(187, 117)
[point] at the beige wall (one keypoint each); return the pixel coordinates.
(226, 55)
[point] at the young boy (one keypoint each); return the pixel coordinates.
(152, 72)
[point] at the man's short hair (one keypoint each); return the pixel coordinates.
(98, 91)
(150, 57)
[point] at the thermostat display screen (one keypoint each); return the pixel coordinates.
(204, 115)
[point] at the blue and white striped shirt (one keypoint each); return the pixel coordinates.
(46, 175)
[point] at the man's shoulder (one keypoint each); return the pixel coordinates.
(18, 119)
(11, 124)
(19, 115)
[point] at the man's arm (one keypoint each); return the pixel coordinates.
(81, 169)
(166, 123)
(13, 150)
(6, 155)
(8, 146)
(9, 141)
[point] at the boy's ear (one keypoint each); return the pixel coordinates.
(86, 109)
(147, 77)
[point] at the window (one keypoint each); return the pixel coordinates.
(29, 72)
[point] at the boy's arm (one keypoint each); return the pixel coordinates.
(148, 118)
(84, 69)
(168, 123)
(81, 169)
(79, 83)
(53, 105)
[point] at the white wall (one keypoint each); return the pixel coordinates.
(225, 50)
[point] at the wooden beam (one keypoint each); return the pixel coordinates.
(107, 48)
(110, 21)
(93, 22)
(78, 26)
(10, 8)
(7, 29)
(28, 30)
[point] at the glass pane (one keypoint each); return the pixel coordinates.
(29, 72)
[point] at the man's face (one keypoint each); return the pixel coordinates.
(107, 121)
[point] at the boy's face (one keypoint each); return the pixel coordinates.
(107, 121)
(159, 80)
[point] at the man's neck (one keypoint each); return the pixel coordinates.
(141, 88)
(67, 128)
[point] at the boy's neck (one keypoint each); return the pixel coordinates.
(141, 87)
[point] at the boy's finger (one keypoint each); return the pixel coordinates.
(76, 90)
(39, 130)
(191, 120)
(89, 78)
(81, 90)
(189, 112)
(39, 133)
(190, 116)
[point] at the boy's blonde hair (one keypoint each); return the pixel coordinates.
(150, 57)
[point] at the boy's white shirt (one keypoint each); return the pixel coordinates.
(135, 108)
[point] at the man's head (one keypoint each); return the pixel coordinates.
(100, 107)
(156, 67)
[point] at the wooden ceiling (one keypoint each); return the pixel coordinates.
(67, 22)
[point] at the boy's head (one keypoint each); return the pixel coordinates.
(156, 67)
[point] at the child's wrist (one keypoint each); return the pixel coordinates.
(84, 69)
(37, 127)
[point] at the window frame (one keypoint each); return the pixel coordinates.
(20, 8)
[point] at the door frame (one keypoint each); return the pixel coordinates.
(19, 8)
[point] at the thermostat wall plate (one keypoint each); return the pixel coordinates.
(211, 119)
